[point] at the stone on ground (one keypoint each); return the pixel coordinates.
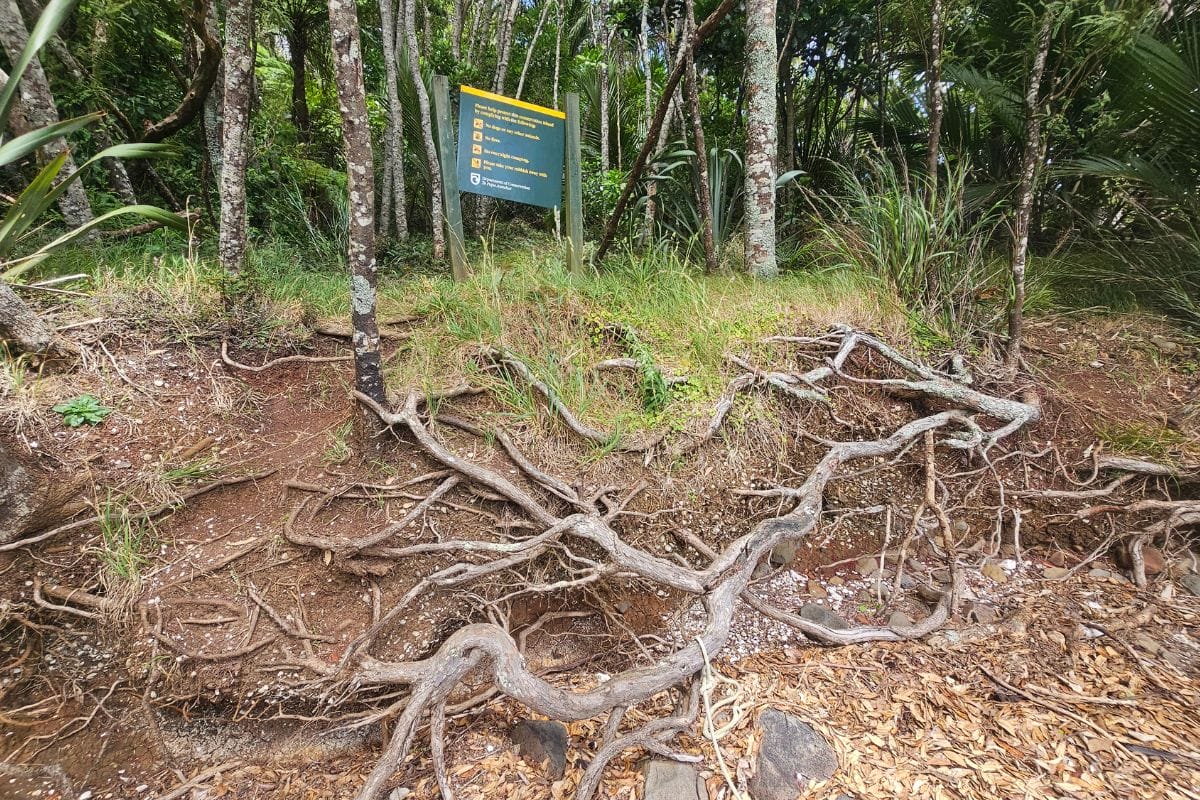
(544, 743)
(672, 780)
(791, 756)
(815, 612)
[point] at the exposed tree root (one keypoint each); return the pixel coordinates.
(580, 530)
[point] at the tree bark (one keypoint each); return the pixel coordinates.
(602, 40)
(360, 175)
(937, 100)
(394, 190)
(1025, 189)
(239, 74)
(761, 78)
(214, 104)
(691, 90)
(435, 166)
(20, 327)
(456, 28)
(41, 110)
(201, 82)
(504, 46)
(537, 34)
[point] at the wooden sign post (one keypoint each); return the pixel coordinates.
(450, 192)
(574, 204)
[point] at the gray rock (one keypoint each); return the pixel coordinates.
(783, 553)
(899, 619)
(1191, 582)
(1164, 345)
(815, 612)
(671, 780)
(543, 742)
(1055, 573)
(1099, 574)
(791, 756)
(983, 613)
(866, 565)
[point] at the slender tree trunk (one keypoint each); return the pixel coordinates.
(602, 40)
(239, 75)
(456, 28)
(656, 124)
(394, 190)
(650, 211)
(558, 50)
(41, 110)
(201, 82)
(298, 44)
(435, 167)
(937, 99)
(691, 89)
(537, 33)
(504, 46)
(1025, 189)
(214, 106)
(761, 77)
(360, 179)
(118, 174)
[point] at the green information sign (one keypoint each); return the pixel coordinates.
(510, 149)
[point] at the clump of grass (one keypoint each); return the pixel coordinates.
(1146, 441)
(338, 449)
(930, 252)
(124, 542)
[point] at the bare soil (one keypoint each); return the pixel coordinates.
(199, 661)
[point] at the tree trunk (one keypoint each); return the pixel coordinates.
(201, 82)
(656, 125)
(1025, 189)
(298, 56)
(118, 175)
(456, 28)
(504, 46)
(394, 190)
(41, 110)
(602, 41)
(558, 49)
(235, 138)
(435, 167)
(937, 99)
(214, 105)
(360, 179)
(691, 90)
(20, 327)
(761, 77)
(537, 33)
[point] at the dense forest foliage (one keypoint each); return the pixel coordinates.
(938, 146)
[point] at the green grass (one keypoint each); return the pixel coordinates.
(1146, 441)
(123, 547)
(680, 321)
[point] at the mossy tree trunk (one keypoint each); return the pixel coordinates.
(360, 166)
(394, 193)
(235, 136)
(1030, 159)
(436, 211)
(761, 79)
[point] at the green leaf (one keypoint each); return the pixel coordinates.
(51, 19)
(26, 143)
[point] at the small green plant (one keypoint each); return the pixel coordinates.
(123, 545)
(83, 409)
(193, 471)
(339, 444)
